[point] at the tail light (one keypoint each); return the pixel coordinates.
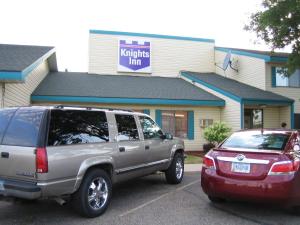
(285, 167)
(41, 160)
(208, 162)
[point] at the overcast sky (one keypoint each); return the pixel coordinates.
(66, 24)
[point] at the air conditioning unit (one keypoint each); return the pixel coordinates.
(206, 122)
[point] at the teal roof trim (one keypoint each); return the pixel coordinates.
(266, 58)
(142, 101)
(121, 33)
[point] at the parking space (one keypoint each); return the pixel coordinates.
(150, 200)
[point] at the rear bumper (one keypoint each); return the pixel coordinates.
(271, 189)
(19, 189)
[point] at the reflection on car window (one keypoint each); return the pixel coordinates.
(256, 140)
(127, 130)
(77, 127)
(149, 127)
(23, 129)
(5, 116)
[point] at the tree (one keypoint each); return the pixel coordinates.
(278, 24)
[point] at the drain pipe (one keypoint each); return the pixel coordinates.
(2, 94)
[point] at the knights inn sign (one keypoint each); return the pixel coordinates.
(134, 56)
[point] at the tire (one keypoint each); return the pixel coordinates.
(216, 199)
(175, 172)
(88, 200)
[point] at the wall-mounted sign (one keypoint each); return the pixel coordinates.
(134, 56)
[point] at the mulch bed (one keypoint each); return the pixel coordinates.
(195, 153)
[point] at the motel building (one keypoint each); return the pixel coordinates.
(184, 83)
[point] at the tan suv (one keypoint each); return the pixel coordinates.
(62, 151)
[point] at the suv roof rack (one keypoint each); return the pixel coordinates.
(89, 108)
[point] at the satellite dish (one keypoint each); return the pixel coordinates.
(227, 61)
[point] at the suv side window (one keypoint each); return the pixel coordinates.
(127, 129)
(149, 127)
(77, 127)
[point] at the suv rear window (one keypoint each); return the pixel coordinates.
(77, 127)
(24, 127)
(5, 115)
(257, 140)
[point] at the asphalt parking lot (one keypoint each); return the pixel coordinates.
(150, 200)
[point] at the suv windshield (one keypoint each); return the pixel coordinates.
(256, 140)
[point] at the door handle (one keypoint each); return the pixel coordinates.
(4, 154)
(147, 147)
(122, 149)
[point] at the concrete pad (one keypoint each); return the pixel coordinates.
(192, 167)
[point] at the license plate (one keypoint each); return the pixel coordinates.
(240, 167)
(1, 186)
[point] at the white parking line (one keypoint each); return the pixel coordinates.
(158, 198)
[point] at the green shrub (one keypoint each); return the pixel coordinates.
(216, 133)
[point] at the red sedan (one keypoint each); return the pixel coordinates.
(255, 165)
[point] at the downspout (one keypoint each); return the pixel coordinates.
(2, 94)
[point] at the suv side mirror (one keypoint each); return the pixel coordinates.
(167, 136)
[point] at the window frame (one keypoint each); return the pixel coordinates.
(274, 78)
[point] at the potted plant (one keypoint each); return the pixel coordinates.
(215, 134)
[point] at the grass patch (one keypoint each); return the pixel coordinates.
(191, 159)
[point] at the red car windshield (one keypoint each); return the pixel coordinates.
(257, 140)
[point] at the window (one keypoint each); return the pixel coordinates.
(282, 80)
(77, 127)
(23, 129)
(149, 127)
(175, 123)
(256, 140)
(127, 130)
(253, 118)
(5, 115)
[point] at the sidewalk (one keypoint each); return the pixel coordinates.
(192, 167)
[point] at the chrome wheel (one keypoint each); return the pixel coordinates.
(179, 168)
(97, 193)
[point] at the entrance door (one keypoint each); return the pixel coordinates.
(253, 118)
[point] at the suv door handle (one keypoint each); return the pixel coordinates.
(122, 149)
(147, 147)
(4, 154)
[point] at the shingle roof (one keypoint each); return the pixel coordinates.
(120, 86)
(235, 88)
(18, 57)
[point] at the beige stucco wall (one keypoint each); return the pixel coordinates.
(168, 56)
(199, 113)
(18, 94)
(293, 93)
(250, 70)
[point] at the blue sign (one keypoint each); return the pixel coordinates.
(134, 56)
